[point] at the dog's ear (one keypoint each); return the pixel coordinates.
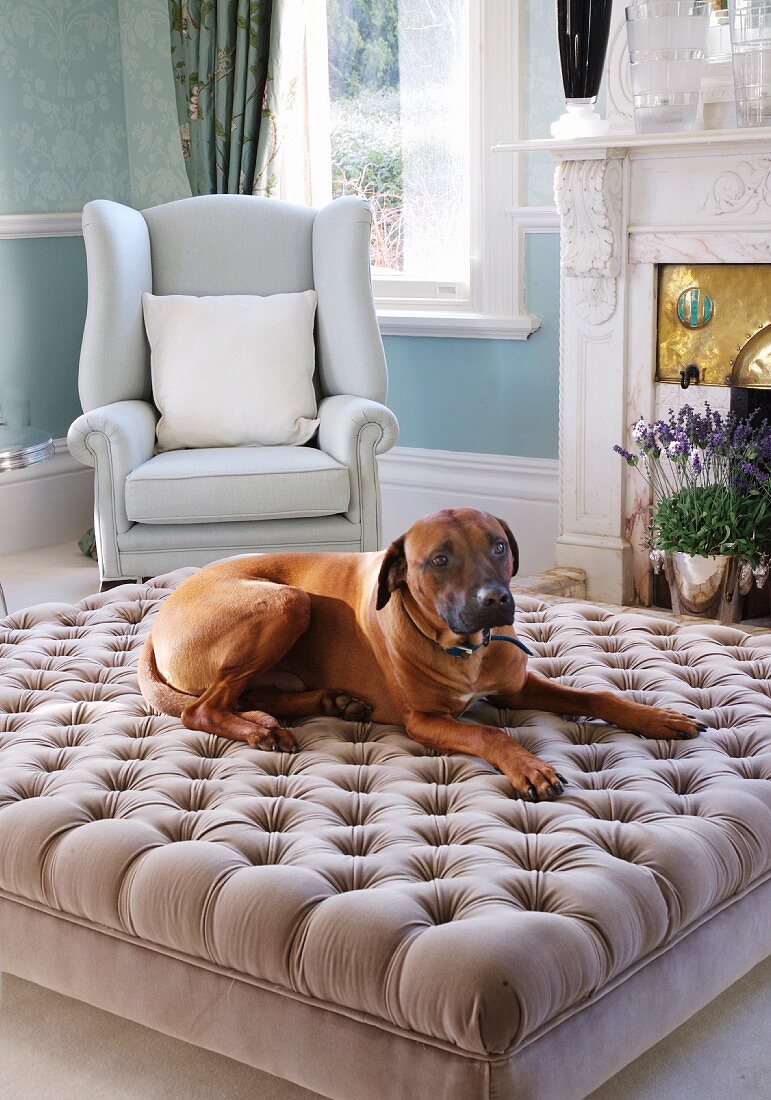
(512, 544)
(392, 574)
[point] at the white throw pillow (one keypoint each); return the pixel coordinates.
(234, 370)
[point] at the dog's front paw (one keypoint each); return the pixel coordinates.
(338, 704)
(532, 778)
(661, 725)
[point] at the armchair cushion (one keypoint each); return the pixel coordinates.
(217, 485)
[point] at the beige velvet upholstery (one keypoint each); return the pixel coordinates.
(215, 245)
(369, 880)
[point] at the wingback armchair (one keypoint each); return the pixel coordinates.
(156, 512)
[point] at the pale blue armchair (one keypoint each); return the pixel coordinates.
(158, 512)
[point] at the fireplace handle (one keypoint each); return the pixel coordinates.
(690, 374)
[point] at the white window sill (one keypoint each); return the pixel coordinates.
(476, 326)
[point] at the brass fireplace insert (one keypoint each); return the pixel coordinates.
(715, 318)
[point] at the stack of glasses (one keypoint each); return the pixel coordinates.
(750, 22)
(667, 51)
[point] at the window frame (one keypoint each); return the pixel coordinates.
(491, 305)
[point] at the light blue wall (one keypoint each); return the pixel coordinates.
(493, 396)
(42, 309)
(62, 141)
(88, 112)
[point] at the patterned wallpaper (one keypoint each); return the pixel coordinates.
(154, 152)
(62, 126)
(88, 103)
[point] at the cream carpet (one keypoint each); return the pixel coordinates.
(58, 573)
(54, 1048)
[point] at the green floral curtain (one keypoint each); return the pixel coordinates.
(235, 71)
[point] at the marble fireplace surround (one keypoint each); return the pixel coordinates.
(627, 203)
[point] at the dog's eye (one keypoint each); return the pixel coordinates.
(439, 560)
(500, 547)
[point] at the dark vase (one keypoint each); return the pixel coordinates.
(583, 27)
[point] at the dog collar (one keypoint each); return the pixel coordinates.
(465, 650)
(487, 637)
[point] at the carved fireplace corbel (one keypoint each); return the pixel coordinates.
(588, 198)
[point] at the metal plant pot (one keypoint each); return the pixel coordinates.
(707, 586)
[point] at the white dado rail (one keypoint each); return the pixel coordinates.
(627, 203)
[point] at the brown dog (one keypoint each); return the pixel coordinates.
(406, 630)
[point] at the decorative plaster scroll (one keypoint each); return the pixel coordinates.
(596, 300)
(588, 198)
(742, 190)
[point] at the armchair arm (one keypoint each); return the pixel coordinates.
(353, 430)
(114, 439)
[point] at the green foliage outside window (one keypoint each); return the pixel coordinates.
(366, 138)
(363, 46)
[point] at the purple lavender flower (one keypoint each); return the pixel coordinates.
(716, 485)
(631, 460)
(750, 470)
(680, 446)
(639, 430)
(664, 431)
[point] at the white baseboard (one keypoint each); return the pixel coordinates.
(46, 503)
(523, 491)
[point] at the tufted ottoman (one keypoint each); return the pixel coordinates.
(368, 919)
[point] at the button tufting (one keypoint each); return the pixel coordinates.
(365, 847)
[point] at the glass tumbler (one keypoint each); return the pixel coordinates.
(667, 51)
(750, 23)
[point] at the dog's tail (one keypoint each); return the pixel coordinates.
(157, 692)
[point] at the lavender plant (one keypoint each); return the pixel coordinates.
(710, 479)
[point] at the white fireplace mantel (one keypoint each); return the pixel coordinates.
(628, 202)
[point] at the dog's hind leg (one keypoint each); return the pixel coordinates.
(253, 647)
(212, 713)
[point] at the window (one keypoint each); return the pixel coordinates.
(401, 101)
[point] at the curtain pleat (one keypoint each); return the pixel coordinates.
(235, 68)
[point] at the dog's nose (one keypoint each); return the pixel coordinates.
(495, 595)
